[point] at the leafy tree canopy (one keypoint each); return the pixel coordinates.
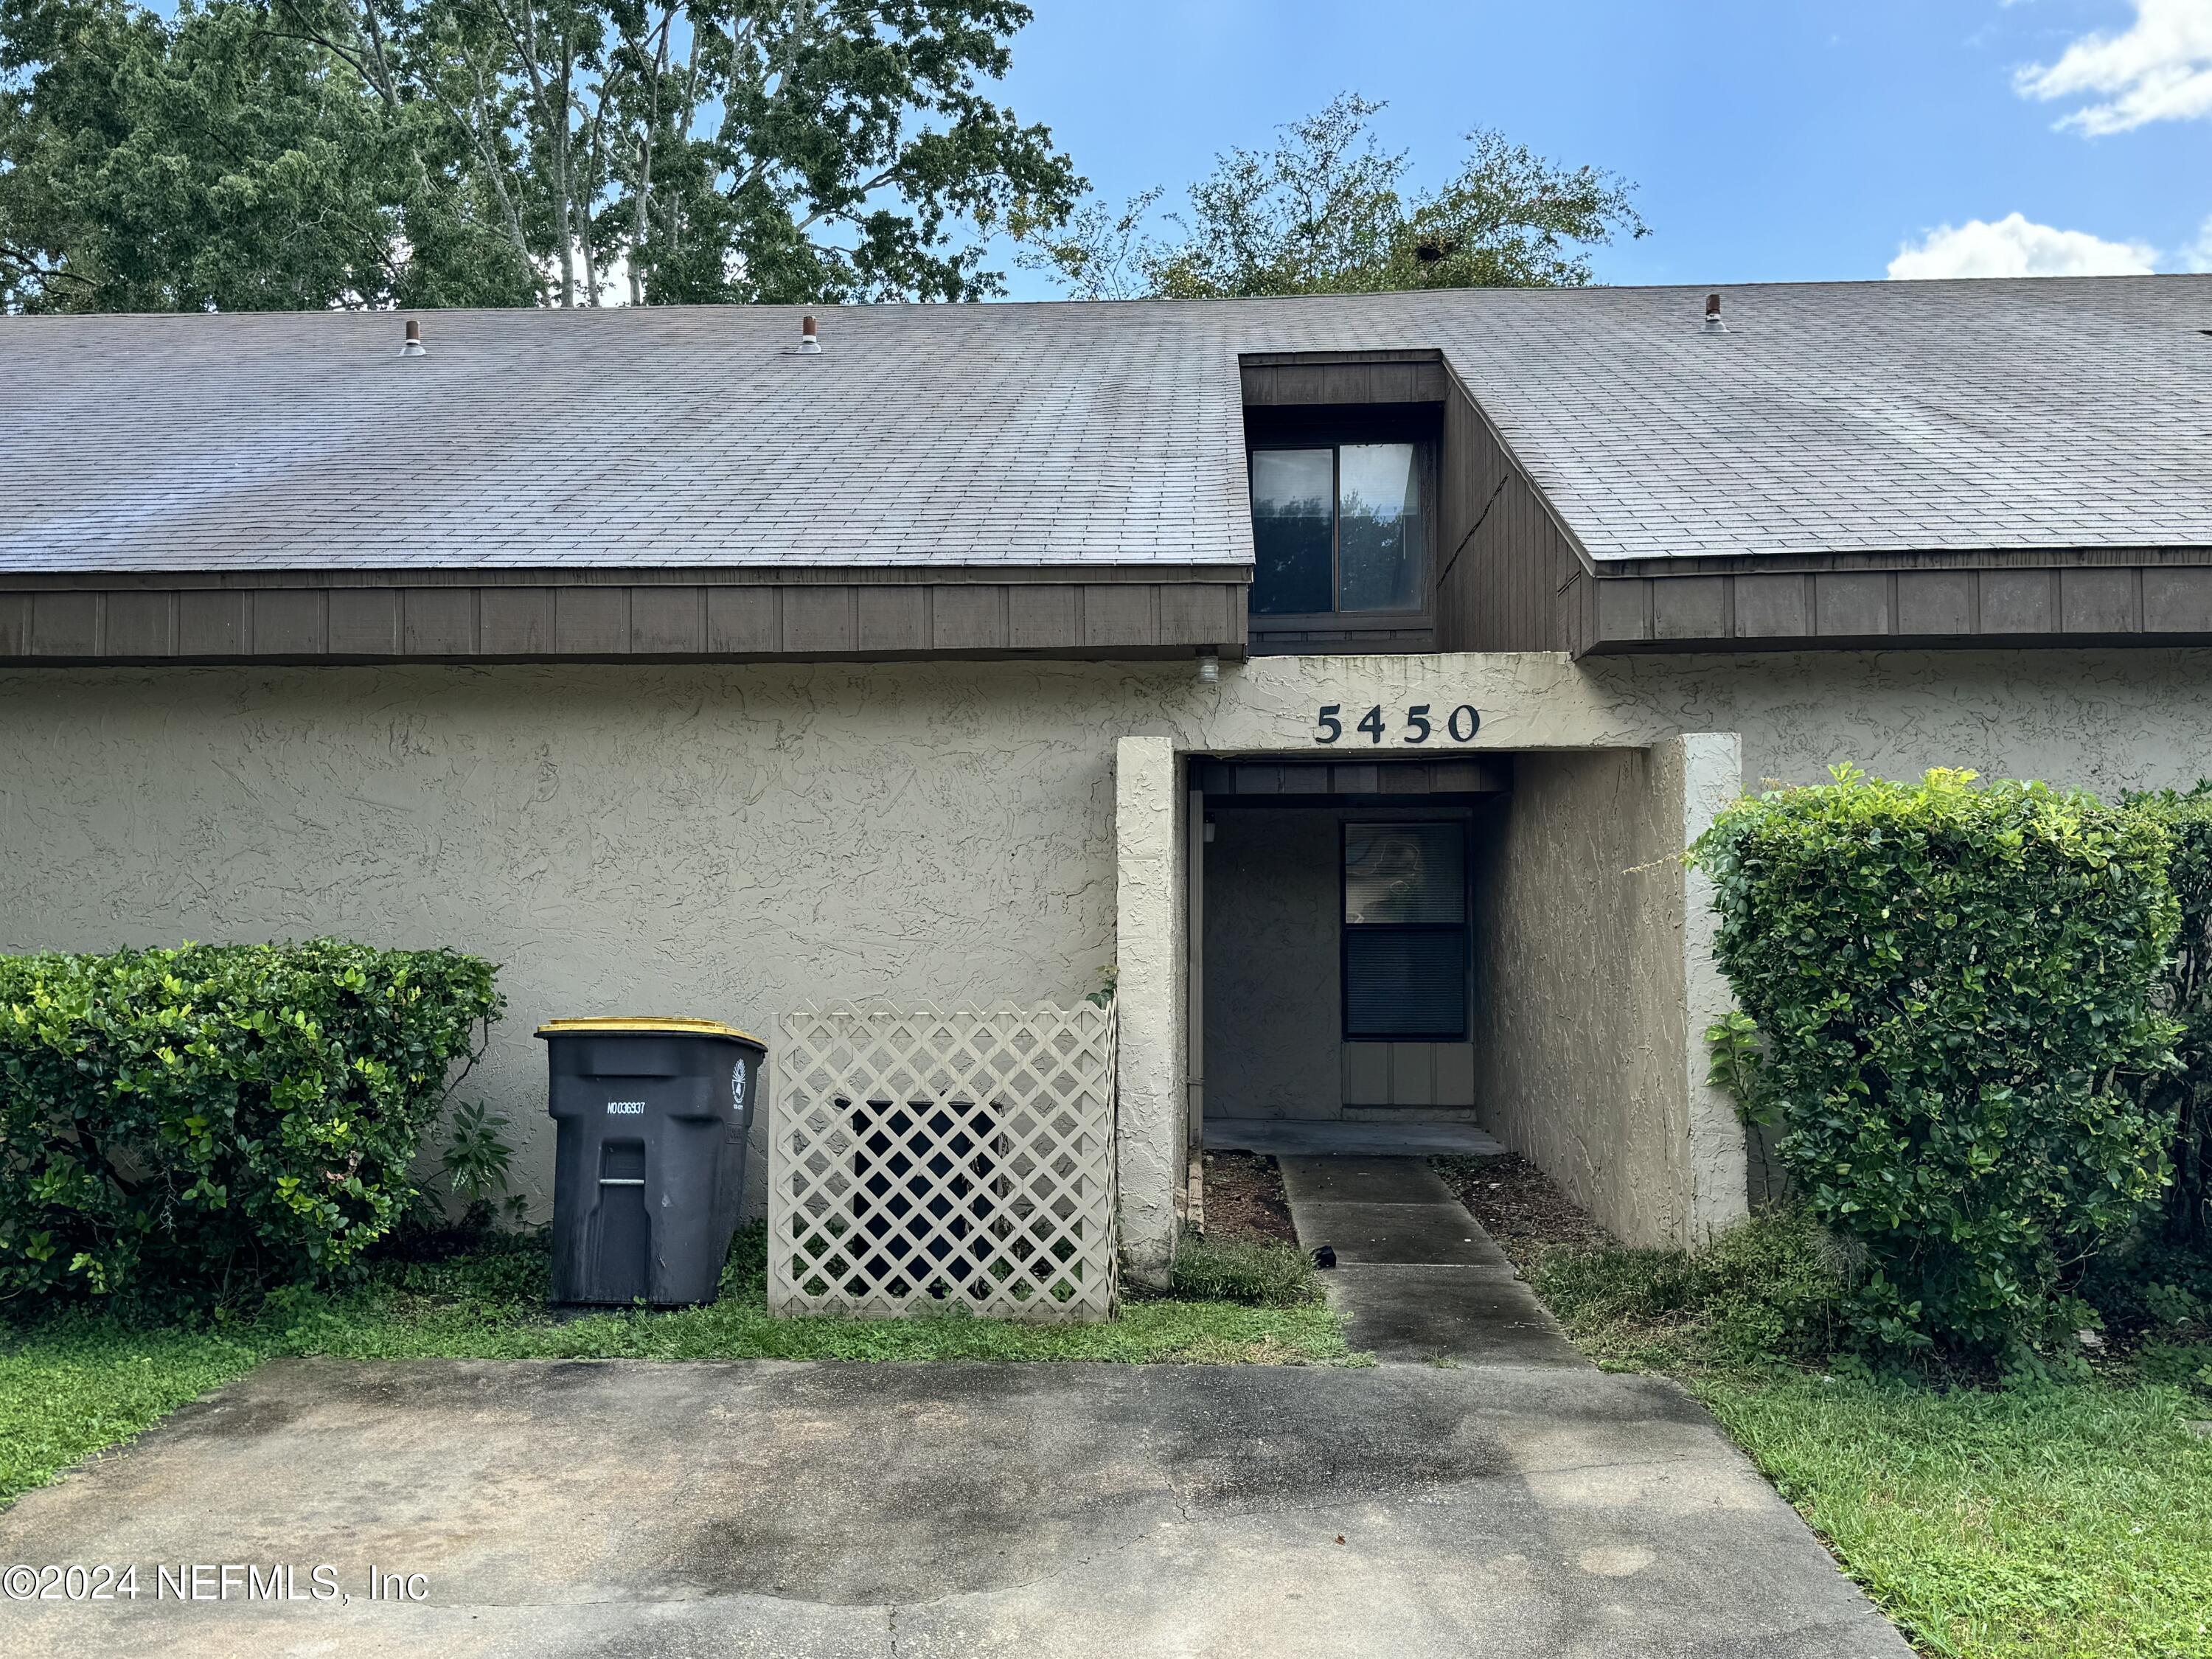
(1329, 210)
(246, 154)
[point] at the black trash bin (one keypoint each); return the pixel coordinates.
(650, 1116)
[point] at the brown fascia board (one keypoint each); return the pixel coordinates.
(325, 617)
(1294, 380)
(1325, 359)
(611, 575)
(1932, 558)
(1998, 602)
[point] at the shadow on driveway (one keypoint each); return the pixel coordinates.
(774, 1509)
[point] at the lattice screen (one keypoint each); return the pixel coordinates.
(923, 1161)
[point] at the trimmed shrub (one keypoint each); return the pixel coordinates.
(1266, 1275)
(2183, 1094)
(1954, 988)
(198, 1125)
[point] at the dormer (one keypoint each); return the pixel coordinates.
(1342, 456)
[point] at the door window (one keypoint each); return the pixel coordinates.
(1405, 931)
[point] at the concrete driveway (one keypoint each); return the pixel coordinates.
(794, 1511)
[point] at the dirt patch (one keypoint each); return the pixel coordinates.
(1518, 1205)
(1244, 1199)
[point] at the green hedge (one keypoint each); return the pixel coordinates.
(2183, 1096)
(198, 1125)
(1956, 991)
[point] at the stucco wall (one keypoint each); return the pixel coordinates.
(2101, 719)
(1703, 771)
(721, 843)
(1596, 981)
(1151, 1138)
(732, 841)
(1571, 1065)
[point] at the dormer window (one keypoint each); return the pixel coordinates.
(1341, 536)
(1340, 528)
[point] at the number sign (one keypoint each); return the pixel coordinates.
(1420, 724)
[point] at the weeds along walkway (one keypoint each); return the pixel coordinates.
(1417, 1278)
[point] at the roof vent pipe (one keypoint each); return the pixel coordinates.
(808, 342)
(1713, 323)
(413, 346)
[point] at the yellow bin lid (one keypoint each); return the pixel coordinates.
(645, 1023)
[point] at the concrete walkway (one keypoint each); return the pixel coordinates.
(1417, 1278)
(814, 1511)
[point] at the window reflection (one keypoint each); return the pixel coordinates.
(1379, 531)
(1337, 528)
(1294, 514)
(1404, 872)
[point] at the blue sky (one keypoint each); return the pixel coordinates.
(1772, 139)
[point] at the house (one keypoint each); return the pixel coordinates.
(1350, 672)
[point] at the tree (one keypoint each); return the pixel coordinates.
(158, 166)
(256, 153)
(1327, 212)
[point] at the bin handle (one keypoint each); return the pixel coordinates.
(622, 1181)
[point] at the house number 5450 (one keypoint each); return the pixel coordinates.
(1462, 724)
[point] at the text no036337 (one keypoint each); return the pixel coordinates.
(1418, 723)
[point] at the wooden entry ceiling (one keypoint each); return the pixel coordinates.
(1234, 781)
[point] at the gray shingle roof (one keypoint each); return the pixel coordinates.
(1836, 418)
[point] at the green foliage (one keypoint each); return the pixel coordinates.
(1953, 984)
(1772, 1288)
(301, 154)
(475, 1164)
(2042, 1523)
(1109, 981)
(1327, 212)
(75, 1385)
(2183, 1364)
(208, 1122)
(213, 159)
(2150, 1270)
(1268, 1274)
(2183, 1094)
(1736, 1070)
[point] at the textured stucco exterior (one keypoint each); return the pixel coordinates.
(1150, 964)
(735, 840)
(1588, 1051)
(1704, 771)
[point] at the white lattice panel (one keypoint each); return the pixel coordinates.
(919, 1162)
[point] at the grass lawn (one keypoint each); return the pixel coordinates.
(71, 1385)
(2059, 1521)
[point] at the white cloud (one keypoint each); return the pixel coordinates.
(2198, 256)
(2158, 69)
(2017, 246)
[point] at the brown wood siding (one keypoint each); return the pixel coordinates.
(1469, 774)
(1309, 380)
(1761, 609)
(1510, 574)
(76, 620)
(1308, 640)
